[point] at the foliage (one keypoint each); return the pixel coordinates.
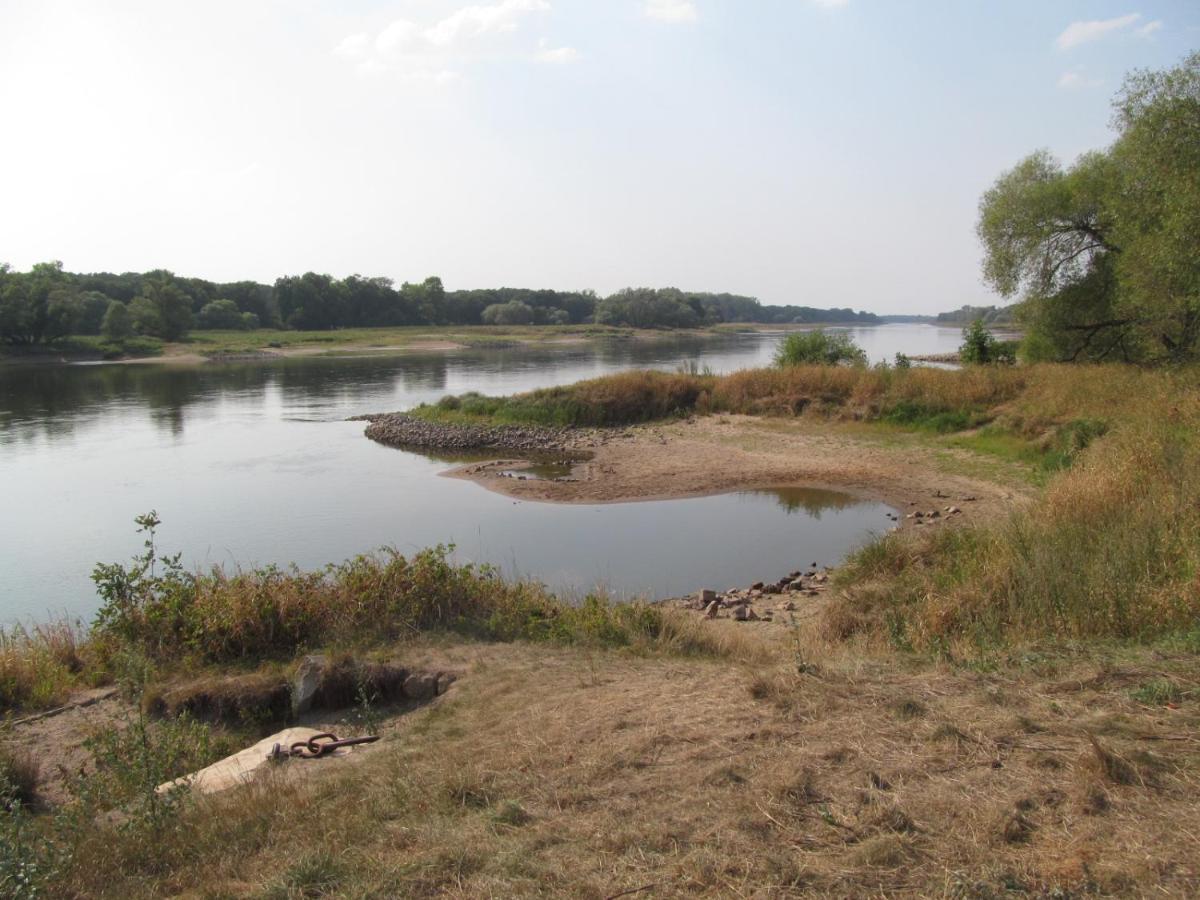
(991, 315)
(1104, 252)
(979, 346)
(512, 313)
(162, 309)
(819, 347)
(38, 306)
(117, 324)
(221, 314)
(47, 304)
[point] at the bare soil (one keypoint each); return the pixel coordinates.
(720, 454)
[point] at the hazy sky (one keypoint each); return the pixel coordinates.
(823, 152)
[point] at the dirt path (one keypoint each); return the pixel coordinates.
(718, 454)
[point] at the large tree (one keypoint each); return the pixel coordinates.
(1104, 253)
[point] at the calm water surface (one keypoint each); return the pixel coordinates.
(253, 463)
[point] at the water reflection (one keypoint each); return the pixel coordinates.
(253, 463)
(808, 501)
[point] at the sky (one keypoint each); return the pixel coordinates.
(814, 152)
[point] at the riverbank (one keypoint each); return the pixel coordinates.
(1006, 700)
(237, 346)
(760, 757)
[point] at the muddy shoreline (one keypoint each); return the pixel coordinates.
(703, 456)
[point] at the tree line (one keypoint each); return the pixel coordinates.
(48, 303)
(1105, 253)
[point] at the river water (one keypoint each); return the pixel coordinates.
(254, 463)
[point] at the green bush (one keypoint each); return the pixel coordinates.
(819, 347)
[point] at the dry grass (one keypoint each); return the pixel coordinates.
(1111, 549)
(20, 775)
(547, 772)
(38, 665)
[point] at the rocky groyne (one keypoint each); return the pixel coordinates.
(408, 432)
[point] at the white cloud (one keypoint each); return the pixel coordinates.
(472, 21)
(353, 46)
(399, 34)
(673, 11)
(1149, 28)
(1082, 32)
(417, 52)
(1076, 80)
(556, 55)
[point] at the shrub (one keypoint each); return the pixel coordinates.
(819, 347)
(979, 346)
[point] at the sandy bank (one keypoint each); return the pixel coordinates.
(714, 455)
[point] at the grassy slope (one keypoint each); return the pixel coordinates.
(552, 772)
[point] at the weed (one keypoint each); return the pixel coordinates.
(1158, 692)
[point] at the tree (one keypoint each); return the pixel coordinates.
(37, 306)
(512, 313)
(118, 324)
(1104, 253)
(221, 314)
(819, 347)
(978, 345)
(162, 309)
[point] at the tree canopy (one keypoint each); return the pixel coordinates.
(1104, 253)
(48, 303)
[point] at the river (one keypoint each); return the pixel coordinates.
(253, 463)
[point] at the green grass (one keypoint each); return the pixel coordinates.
(232, 342)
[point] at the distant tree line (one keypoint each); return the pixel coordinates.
(48, 303)
(988, 315)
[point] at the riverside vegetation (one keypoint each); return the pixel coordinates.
(993, 707)
(1100, 568)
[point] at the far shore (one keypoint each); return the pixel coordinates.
(244, 346)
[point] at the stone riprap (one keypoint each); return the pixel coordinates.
(404, 431)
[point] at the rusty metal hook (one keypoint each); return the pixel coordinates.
(317, 746)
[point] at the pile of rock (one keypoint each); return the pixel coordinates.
(932, 516)
(403, 431)
(761, 601)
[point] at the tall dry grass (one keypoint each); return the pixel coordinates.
(38, 665)
(1110, 550)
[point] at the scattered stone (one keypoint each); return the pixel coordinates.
(705, 597)
(421, 686)
(751, 615)
(741, 613)
(788, 607)
(710, 611)
(757, 586)
(400, 430)
(953, 510)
